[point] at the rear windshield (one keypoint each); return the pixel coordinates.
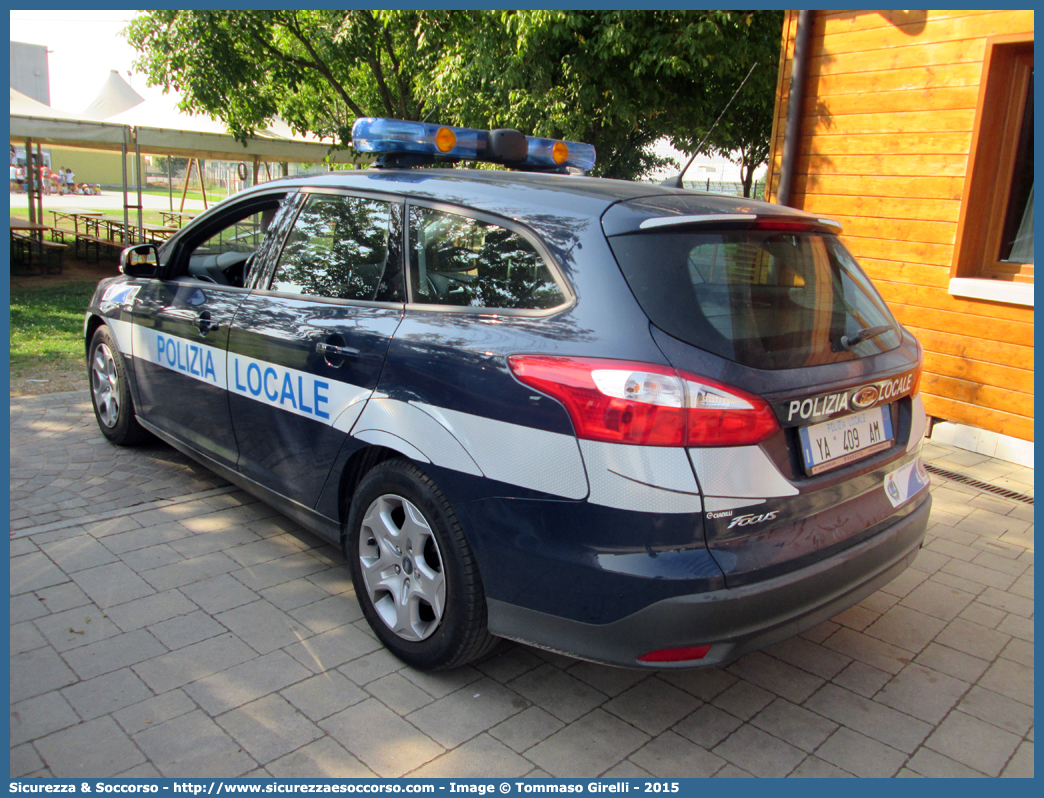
(765, 299)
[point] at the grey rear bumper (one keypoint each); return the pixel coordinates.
(734, 621)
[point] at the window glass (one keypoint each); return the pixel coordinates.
(764, 299)
(226, 256)
(1017, 241)
(459, 261)
(341, 248)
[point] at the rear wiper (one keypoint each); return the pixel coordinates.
(848, 341)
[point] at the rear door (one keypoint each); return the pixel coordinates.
(780, 310)
(181, 325)
(306, 350)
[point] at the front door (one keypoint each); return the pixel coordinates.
(181, 325)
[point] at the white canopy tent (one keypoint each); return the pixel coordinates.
(33, 122)
(115, 96)
(149, 128)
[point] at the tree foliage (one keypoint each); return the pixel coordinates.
(617, 79)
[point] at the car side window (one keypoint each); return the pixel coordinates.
(228, 252)
(342, 248)
(455, 260)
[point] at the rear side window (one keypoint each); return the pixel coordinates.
(455, 260)
(765, 299)
(342, 248)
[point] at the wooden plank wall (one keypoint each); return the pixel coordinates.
(886, 132)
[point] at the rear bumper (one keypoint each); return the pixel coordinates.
(734, 621)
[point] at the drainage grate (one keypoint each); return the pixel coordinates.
(953, 476)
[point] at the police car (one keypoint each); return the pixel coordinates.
(635, 424)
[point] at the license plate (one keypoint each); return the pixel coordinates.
(844, 440)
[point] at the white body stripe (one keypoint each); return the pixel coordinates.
(122, 331)
(195, 360)
(411, 425)
(331, 402)
(919, 423)
(739, 472)
(297, 392)
(530, 458)
(717, 505)
(646, 479)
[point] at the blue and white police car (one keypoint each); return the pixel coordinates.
(635, 424)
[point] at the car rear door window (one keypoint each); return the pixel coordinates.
(457, 260)
(339, 248)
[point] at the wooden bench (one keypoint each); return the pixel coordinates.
(24, 248)
(97, 242)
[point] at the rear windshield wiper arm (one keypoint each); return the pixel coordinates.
(848, 341)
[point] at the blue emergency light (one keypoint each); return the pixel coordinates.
(405, 143)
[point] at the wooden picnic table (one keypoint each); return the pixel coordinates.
(24, 246)
(22, 224)
(176, 218)
(116, 228)
(90, 218)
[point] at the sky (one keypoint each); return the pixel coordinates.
(84, 46)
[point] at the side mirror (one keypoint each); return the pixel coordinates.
(141, 260)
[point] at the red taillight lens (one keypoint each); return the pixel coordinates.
(916, 381)
(675, 654)
(641, 403)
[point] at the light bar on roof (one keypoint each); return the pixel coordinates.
(392, 137)
(371, 134)
(552, 153)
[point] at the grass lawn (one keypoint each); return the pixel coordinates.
(47, 338)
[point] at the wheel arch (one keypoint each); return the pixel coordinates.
(90, 326)
(358, 465)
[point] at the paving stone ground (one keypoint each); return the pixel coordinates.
(164, 623)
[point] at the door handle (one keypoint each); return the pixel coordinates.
(333, 350)
(204, 323)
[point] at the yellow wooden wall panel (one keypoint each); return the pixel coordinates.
(980, 371)
(914, 55)
(947, 29)
(945, 321)
(903, 272)
(981, 349)
(824, 87)
(883, 207)
(904, 187)
(888, 144)
(924, 165)
(961, 120)
(898, 229)
(928, 297)
(991, 396)
(887, 103)
(976, 415)
(903, 251)
(832, 23)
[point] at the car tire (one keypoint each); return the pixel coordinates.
(414, 573)
(110, 393)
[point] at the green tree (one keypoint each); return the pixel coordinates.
(617, 79)
(744, 134)
(318, 70)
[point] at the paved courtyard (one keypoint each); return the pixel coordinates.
(163, 623)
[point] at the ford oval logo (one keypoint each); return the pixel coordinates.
(865, 397)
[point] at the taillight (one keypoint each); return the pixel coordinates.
(645, 404)
(916, 381)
